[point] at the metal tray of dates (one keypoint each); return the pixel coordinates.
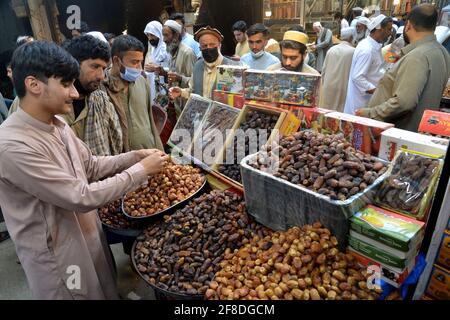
(132, 228)
(168, 210)
(161, 294)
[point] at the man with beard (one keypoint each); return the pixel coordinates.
(204, 77)
(293, 53)
(181, 64)
(186, 38)
(130, 94)
(258, 58)
(323, 43)
(93, 117)
(365, 72)
(361, 29)
(417, 80)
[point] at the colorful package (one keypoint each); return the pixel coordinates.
(394, 230)
(234, 100)
(364, 134)
(395, 139)
(310, 118)
(230, 79)
(296, 88)
(258, 85)
(435, 122)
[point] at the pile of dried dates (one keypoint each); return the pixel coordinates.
(326, 164)
(182, 253)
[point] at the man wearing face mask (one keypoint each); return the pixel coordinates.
(204, 77)
(294, 53)
(130, 95)
(258, 58)
(417, 80)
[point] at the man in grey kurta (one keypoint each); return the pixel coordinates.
(418, 79)
(323, 43)
(50, 184)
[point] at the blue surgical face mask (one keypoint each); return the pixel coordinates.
(257, 55)
(130, 74)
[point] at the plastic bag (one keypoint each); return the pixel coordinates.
(410, 187)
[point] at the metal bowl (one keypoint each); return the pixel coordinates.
(168, 210)
(161, 294)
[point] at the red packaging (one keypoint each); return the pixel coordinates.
(364, 134)
(435, 122)
(310, 118)
(230, 99)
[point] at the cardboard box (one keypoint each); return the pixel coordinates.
(227, 153)
(387, 258)
(388, 228)
(258, 85)
(382, 246)
(230, 79)
(234, 100)
(435, 122)
(364, 134)
(310, 118)
(444, 253)
(393, 276)
(395, 139)
(296, 88)
(439, 285)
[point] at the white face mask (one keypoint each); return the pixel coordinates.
(257, 55)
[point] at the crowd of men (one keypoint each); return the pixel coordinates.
(81, 131)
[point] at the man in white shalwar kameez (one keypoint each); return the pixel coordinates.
(51, 185)
(365, 72)
(336, 70)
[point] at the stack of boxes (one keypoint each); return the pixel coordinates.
(386, 240)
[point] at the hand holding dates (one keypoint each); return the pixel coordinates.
(154, 163)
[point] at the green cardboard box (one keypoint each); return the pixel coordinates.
(394, 230)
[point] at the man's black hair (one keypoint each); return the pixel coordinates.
(258, 28)
(124, 43)
(178, 16)
(290, 44)
(109, 36)
(338, 15)
(239, 26)
(297, 27)
(87, 47)
(423, 17)
(42, 60)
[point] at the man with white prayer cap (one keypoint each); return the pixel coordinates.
(361, 24)
(336, 70)
(323, 43)
(183, 58)
(365, 72)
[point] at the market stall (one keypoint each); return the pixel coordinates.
(274, 198)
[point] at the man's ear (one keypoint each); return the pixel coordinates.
(33, 85)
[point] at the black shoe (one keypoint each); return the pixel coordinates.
(4, 235)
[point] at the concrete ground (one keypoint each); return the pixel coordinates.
(13, 283)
